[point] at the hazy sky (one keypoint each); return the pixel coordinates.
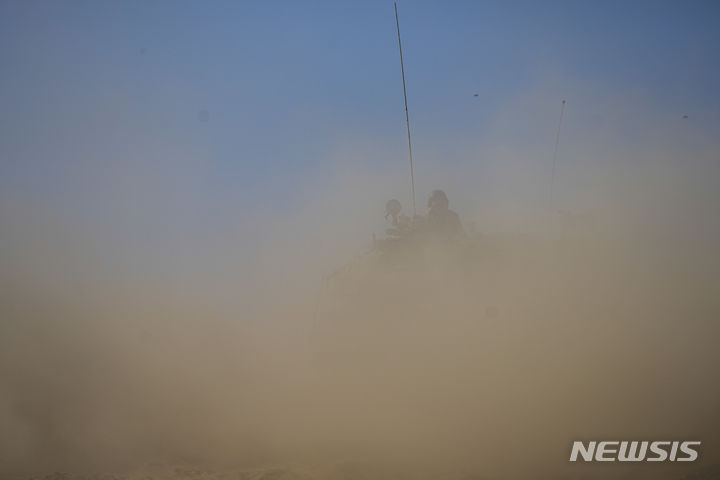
(159, 118)
(285, 82)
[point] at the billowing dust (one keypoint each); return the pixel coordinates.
(282, 350)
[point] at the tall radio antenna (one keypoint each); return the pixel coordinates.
(407, 116)
(555, 154)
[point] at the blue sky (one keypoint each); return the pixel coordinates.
(94, 90)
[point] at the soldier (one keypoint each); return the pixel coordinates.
(392, 209)
(397, 234)
(400, 223)
(441, 222)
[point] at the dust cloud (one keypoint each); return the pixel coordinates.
(168, 333)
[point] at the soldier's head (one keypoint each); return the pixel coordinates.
(438, 200)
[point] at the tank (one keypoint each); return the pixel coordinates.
(411, 280)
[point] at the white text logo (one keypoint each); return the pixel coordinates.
(635, 451)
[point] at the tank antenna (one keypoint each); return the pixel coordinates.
(407, 116)
(557, 142)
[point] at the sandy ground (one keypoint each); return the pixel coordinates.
(341, 471)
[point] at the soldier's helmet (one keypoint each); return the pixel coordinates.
(438, 199)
